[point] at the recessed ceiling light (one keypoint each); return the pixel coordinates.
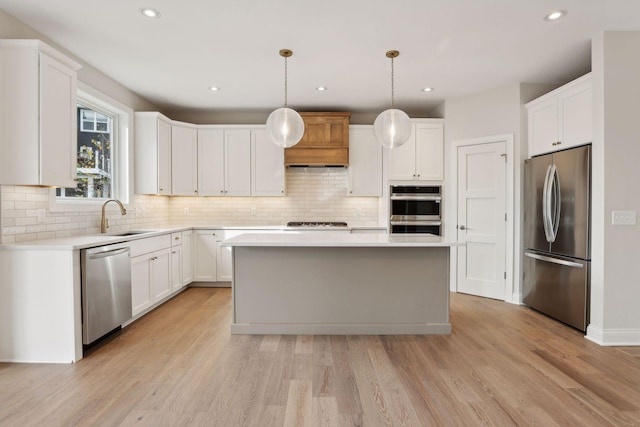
(555, 15)
(150, 12)
(427, 89)
(214, 88)
(321, 88)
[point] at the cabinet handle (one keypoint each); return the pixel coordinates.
(558, 143)
(221, 191)
(162, 189)
(173, 252)
(195, 191)
(177, 238)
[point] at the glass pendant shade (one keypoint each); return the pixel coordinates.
(392, 128)
(285, 127)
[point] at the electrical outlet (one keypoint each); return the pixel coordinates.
(187, 211)
(623, 218)
(358, 211)
(138, 211)
(254, 211)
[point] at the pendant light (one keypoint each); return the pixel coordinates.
(392, 127)
(285, 126)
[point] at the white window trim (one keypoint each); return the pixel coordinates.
(123, 156)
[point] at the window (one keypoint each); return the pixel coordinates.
(104, 128)
(93, 121)
(94, 156)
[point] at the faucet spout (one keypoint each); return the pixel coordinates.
(104, 223)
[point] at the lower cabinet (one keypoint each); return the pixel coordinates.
(206, 254)
(160, 266)
(150, 279)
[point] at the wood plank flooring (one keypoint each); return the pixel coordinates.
(179, 366)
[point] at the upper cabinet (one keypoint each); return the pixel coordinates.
(422, 157)
(184, 160)
(325, 140)
(38, 122)
(267, 165)
(365, 162)
(152, 153)
(561, 118)
(211, 162)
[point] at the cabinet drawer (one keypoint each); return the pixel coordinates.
(145, 246)
(176, 239)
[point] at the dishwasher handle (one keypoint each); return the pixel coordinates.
(110, 253)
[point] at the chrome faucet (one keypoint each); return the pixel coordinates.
(104, 223)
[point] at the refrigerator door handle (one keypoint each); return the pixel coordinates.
(555, 186)
(553, 260)
(546, 206)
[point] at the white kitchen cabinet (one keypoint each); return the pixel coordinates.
(267, 165)
(365, 162)
(150, 279)
(176, 268)
(38, 121)
(210, 162)
(421, 158)
(561, 118)
(184, 160)
(224, 162)
(152, 153)
(237, 162)
(206, 254)
(187, 257)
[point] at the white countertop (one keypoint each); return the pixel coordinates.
(302, 239)
(93, 240)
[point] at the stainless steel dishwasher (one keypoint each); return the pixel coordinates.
(106, 289)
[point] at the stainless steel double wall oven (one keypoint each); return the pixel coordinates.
(415, 209)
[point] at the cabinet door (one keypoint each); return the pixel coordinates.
(176, 268)
(210, 162)
(223, 259)
(164, 157)
(365, 163)
(429, 151)
(575, 112)
(187, 257)
(58, 128)
(237, 154)
(543, 126)
(205, 256)
(184, 161)
(160, 274)
(140, 283)
(267, 165)
(402, 162)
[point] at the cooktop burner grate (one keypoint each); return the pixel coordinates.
(316, 224)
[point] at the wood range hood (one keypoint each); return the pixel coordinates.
(325, 141)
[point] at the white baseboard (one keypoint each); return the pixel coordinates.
(613, 337)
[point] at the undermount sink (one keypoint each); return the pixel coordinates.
(131, 233)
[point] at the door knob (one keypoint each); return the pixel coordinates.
(462, 227)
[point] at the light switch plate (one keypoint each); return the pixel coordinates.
(623, 218)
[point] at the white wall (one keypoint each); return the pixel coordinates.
(497, 111)
(615, 275)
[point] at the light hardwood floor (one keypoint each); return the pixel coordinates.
(503, 365)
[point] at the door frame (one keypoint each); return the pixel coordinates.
(451, 218)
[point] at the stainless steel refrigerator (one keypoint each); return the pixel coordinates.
(557, 234)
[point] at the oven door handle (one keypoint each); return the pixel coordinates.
(433, 198)
(415, 222)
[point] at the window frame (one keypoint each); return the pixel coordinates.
(122, 164)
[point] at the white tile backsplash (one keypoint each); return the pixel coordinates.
(313, 194)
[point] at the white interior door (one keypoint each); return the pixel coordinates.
(482, 220)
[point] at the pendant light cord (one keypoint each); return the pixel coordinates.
(392, 86)
(285, 82)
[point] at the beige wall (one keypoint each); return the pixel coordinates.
(615, 284)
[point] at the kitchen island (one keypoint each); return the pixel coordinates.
(327, 283)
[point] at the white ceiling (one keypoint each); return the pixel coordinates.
(457, 46)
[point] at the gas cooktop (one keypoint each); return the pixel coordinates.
(316, 224)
